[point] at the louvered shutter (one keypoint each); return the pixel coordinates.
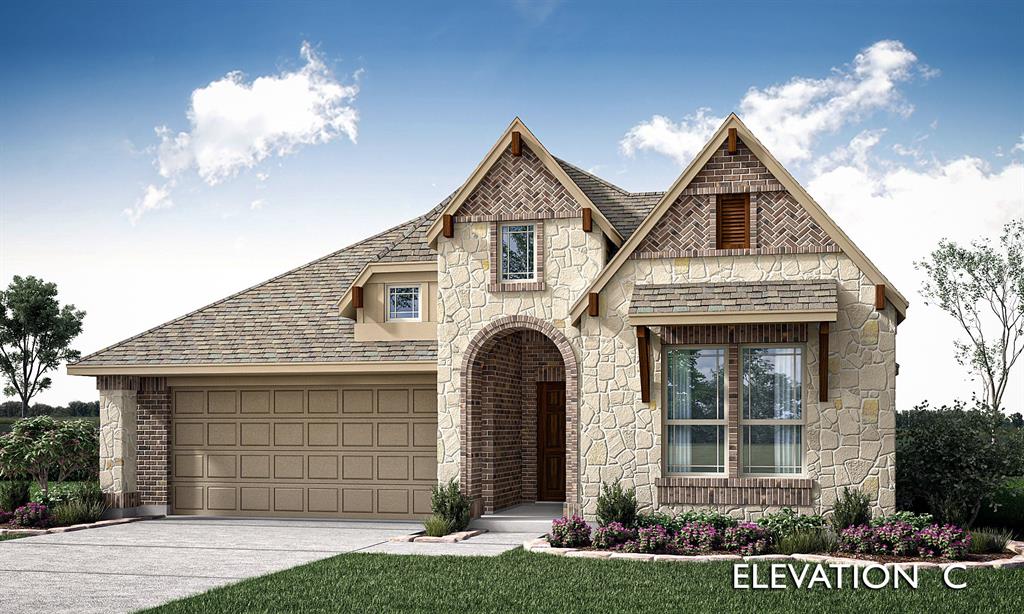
(733, 221)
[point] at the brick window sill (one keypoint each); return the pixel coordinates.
(774, 491)
(516, 286)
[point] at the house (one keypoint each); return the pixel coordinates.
(719, 344)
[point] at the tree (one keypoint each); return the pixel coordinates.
(44, 449)
(982, 288)
(950, 460)
(35, 335)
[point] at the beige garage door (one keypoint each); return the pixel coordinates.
(313, 451)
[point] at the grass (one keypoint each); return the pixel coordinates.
(7, 536)
(519, 581)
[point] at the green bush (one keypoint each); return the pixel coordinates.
(786, 522)
(951, 460)
(63, 492)
(13, 494)
(807, 540)
(615, 504)
(984, 541)
(918, 521)
(1005, 508)
(76, 511)
(851, 510)
(449, 503)
(436, 526)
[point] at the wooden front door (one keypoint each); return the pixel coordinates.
(551, 441)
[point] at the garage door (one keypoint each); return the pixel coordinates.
(310, 451)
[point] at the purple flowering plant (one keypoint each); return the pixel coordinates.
(571, 532)
(612, 535)
(746, 538)
(32, 516)
(948, 541)
(652, 539)
(897, 538)
(696, 538)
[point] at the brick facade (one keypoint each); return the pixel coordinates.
(502, 367)
(154, 441)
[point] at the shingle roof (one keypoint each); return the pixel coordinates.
(625, 210)
(718, 297)
(294, 318)
(290, 318)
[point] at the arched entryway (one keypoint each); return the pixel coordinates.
(519, 378)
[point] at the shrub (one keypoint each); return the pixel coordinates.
(1005, 507)
(76, 511)
(448, 502)
(651, 519)
(897, 538)
(64, 492)
(613, 534)
(615, 504)
(953, 459)
(717, 519)
(13, 495)
(746, 538)
(786, 522)
(31, 516)
(806, 541)
(859, 539)
(948, 541)
(696, 538)
(652, 539)
(984, 541)
(5, 517)
(851, 510)
(436, 526)
(918, 521)
(45, 449)
(571, 532)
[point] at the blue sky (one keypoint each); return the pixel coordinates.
(84, 85)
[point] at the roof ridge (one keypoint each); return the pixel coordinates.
(249, 289)
(600, 180)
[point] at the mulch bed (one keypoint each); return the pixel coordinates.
(884, 558)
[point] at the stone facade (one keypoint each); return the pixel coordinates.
(134, 442)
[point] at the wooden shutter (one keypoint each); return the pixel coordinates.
(733, 221)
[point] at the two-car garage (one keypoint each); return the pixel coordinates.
(308, 448)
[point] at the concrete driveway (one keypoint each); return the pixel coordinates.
(125, 567)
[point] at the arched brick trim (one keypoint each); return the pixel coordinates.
(472, 440)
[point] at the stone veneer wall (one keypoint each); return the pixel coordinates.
(134, 440)
(849, 441)
(572, 259)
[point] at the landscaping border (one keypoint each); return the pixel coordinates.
(542, 545)
(451, 538)
(75, 527)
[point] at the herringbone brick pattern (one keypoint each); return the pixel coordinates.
(517, 188)
(725, 173)
(783, 223)
(685, 226)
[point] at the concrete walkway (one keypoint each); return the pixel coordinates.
(127, 567)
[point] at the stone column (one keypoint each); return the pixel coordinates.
(118, 439)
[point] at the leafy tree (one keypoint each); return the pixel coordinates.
(44, 448)
(35, 335)
(951, 459)
(982, 288)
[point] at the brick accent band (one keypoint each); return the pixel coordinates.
(153, 415)
(735, 491)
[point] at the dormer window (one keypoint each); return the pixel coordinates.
(404, 303)
(733, 221)
(518, 252)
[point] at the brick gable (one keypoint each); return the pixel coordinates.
(518, 187)
(778, 223)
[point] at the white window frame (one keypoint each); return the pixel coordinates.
(403, 286)
(800, 422)
(722, 423)
(501, 253)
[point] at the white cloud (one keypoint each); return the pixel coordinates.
(153, 198)
(1019, 146)
(236, 124)
(790, 117)
(257, 204)
(897, 214)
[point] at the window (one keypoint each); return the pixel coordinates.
(403, 302)
(733, 224)
(518, 257)
(695, 410)
(772, 393)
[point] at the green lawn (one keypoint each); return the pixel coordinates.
(7, 536)
(525, 582)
